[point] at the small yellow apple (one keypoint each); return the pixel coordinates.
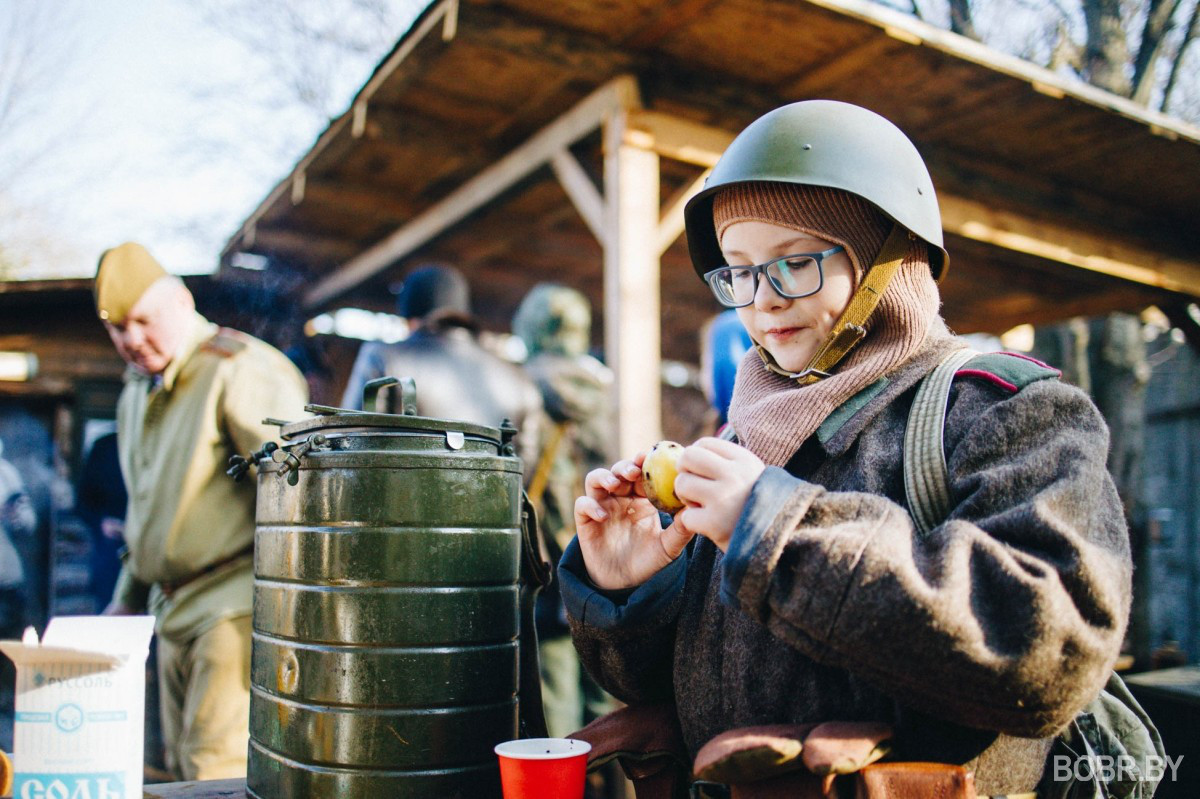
(658, 475)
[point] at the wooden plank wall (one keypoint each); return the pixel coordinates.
(1172, 474)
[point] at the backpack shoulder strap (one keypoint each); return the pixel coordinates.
(926, 480)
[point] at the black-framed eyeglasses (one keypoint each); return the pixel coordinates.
(792, 276)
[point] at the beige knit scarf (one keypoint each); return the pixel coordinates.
(773, 415)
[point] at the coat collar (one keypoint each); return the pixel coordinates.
(839, 430)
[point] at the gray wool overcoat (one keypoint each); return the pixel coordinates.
(978, 641)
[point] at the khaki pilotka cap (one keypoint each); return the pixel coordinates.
(122, 277)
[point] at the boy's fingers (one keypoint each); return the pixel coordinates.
(696, 490)
(627, 469)
(702, 461)
(587, 508)
(695, 519)
(599, 483)
(594, 477)
(721, 447)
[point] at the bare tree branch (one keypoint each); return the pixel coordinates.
(1106, 52)
(960, 19)
(39, 46)
(1066, 52)
(1193, 27)
(306, 42)
(1159, 14)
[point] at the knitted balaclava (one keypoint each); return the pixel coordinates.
(771, 414)
(830, 214)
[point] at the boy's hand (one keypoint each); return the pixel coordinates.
(715, 478)
(622, 540)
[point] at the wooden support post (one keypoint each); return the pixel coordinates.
(631, 285)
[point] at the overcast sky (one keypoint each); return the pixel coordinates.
(148, 125)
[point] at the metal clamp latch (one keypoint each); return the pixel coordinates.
(240, 464)
(508, 432)
(290, 464)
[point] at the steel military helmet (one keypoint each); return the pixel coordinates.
(824, 143)
(554, 318)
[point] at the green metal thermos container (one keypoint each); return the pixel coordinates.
(386, 604)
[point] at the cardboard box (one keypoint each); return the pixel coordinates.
(80, 705)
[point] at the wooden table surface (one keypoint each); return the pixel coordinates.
(1181, 684)
(204, 789)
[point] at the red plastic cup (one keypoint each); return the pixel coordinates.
(543, 768)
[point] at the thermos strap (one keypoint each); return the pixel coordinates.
(541, 475)
(535, 573)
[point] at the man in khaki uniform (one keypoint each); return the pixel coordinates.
(194, 395)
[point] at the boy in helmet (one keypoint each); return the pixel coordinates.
(795, 587)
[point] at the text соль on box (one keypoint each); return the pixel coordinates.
(79, 708)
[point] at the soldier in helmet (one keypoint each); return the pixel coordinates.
(555, 323)
(801, 583)
(194, 395)
(457, 378)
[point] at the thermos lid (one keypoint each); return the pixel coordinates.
(346, 420)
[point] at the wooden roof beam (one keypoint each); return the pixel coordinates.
(361, 199)
(445, 13)
(995, 317)
(683, 140)
(590, 204)
(581, 190)
(1067, 245)
(660, 133)
(678, 138)
(614, 96)
(671, 223)
(281, 241)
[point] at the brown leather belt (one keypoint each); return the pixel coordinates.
(168, 588)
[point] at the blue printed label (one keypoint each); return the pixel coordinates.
(110, 785)
(34, 718)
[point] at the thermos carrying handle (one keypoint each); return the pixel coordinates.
(408, 394)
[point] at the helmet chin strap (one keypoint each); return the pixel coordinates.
(850, 327)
